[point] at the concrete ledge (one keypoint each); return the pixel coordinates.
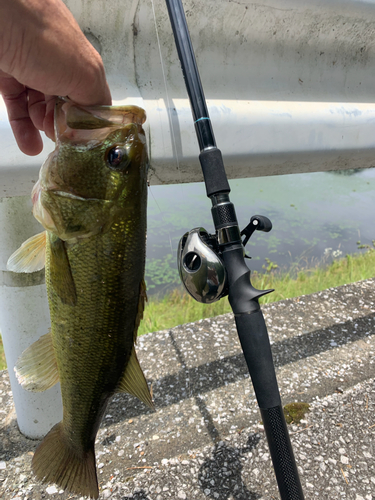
(205, 439)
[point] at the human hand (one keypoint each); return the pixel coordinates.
(44, 54)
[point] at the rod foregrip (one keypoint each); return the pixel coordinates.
(213, 169)
(253, 335)
(282, 453)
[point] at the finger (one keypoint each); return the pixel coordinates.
(91, 90)
(88, 80)
(49, 119)
(37, 107)
(41, 110)
(15, 99)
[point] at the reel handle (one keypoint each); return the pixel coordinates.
(257, 223)
(261, 222)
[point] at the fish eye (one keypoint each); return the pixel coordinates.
(117, 158)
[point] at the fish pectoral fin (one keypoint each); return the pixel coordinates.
(133, 381)
(36, 368)
(30, 256)
(61, 274)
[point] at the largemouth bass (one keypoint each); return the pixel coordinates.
(91, 199)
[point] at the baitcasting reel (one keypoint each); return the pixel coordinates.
(202, 270)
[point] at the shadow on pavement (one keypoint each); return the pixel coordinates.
(220, 476)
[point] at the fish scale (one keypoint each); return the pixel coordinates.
(100, 350)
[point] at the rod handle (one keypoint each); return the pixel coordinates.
(255, 343)
(213, 169)
(282, 453)
(253, 335)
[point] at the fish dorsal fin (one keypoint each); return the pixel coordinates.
(36, 368)
(61, 274)
(133, 381)
(30, 256)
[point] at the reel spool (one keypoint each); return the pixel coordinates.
(201, 269)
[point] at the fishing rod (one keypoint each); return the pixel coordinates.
(212, 266)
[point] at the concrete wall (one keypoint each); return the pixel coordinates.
(290, 84)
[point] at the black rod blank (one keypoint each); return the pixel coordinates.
(210, 158)
(190, 72)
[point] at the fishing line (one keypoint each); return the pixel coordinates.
(169, 107)
(155, 200)
(170, 118)
(160, 210)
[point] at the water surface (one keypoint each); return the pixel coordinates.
(315, 217)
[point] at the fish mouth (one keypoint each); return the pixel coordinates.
(72, 196)
(89, 125)
(69, 195)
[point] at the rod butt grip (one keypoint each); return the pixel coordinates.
(282, 454)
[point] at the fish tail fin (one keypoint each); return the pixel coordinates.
(57, 462)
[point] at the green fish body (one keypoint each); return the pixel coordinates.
(91, 198)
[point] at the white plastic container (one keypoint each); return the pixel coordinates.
(24, 317)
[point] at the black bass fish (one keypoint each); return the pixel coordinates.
(91, 198)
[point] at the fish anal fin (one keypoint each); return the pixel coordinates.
(36, 368)
(61, 274)
(55, 461)
(30, 256)
(133, 381)
(141, 307)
